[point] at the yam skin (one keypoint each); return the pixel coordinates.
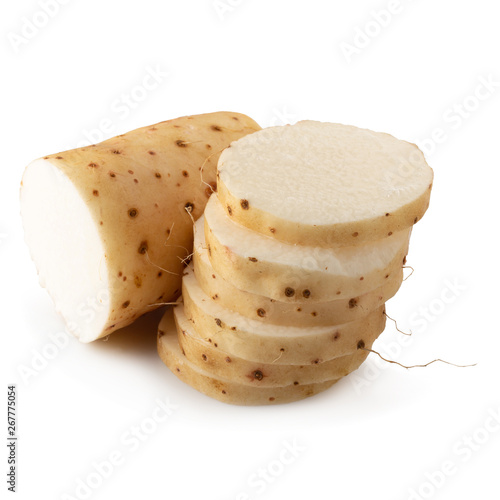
(143, 190)
(210, 357)
(227, 391)
(272, 344)
(267, 310)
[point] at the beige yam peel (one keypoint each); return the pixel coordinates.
(324, 184)
(227, 391)
(266, 310)
(294, 273)
(108, 225)
(273, 344)
(225, 364)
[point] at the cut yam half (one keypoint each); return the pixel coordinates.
(267, 310)
(295, 273)
(210, 357)
(324, 184)
(273, 344)
(108, 224)
(227, 391)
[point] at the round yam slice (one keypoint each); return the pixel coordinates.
(273, 344)
(324, 184)
(267, 310)
(297, 273)
(227, 391)
(216, 361)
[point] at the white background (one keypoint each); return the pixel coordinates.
(379, 434)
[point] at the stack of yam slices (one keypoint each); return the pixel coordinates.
(294, 260)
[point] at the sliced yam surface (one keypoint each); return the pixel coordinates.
(267, 310)
(107, 224)
(227, 391)
(324, 184)
(216, 361)
(253, 340)
(296, 273)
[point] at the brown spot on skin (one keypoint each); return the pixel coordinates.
(415, 220)
(215, 344)
(210, 189)
(136, 181)
(229, 210)
(178, 369)
(355, 234)
(95, 192)
(181, 143)
(138, 282)
(124, 278)
(386, 276)
(152, 129)
(218, 322)
(252, 259)
(133, 212)
(258, 375)
(244, 204)
(156, 205)
(235, 118)
(126, 304)
(161, 333)
(204, 357)
(314, 313)
(45, 157)
(336, 335)
(112, 174)
(233, 328)
(289, 292)
(143, 247)
(185, 173)
(208, 146)
(295, 383)
(189, 207)
(116, 152)
(299, 309)
(158, 175)
(271, 399)
(389, 233)
(353, 303)
(131, 172)
(93, 165)
(215, 297)
(210, 340)
(223, 391)
(120, 274)
(339, 292)
(59, 158)
(361, 344)
(361, 279)
(209, 248)
(261, 312)
(216, 128)
(404, 260)
(168, 232)
(272, 230)
(316, 361)
(152, 153)
(387, 214)
(228, 360)
(306, 293)
(213, 276)
(160, 274)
